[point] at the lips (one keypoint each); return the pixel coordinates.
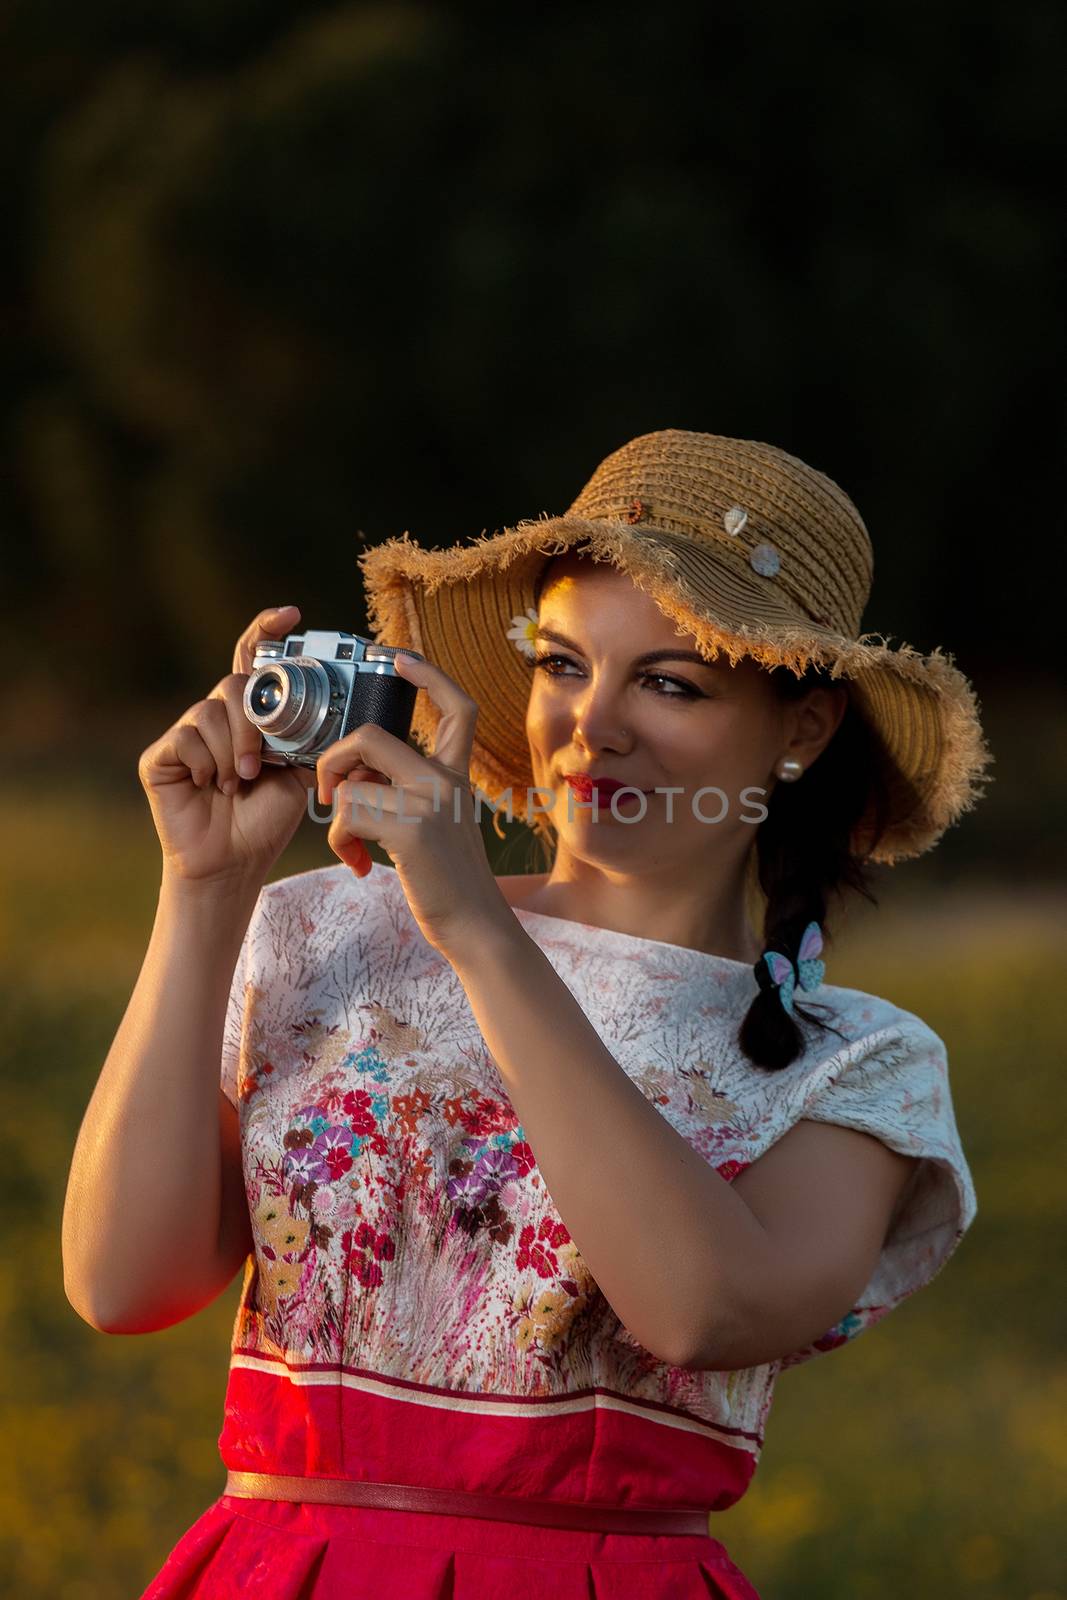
(583, 785)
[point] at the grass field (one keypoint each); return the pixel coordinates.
(926, 1459)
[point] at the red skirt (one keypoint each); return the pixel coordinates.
(282, 1550)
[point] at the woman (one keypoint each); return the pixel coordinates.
(539, 1181)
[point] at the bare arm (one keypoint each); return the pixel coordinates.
(827, 1197)
(702, 1273)
(154, 1221)
(665, 1238)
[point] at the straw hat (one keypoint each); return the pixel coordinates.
(750, 551)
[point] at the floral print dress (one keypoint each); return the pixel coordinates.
(415, 1310)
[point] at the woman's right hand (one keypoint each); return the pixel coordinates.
(210, 836)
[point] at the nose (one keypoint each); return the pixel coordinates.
(598, 718)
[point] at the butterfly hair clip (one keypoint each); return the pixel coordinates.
(809, 971)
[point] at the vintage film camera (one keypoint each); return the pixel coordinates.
(309, 689)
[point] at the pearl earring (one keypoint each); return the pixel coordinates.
(789, 769)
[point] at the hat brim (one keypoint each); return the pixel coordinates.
(455, 607)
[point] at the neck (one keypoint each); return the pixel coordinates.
(706, 914)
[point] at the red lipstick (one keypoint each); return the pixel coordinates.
(583, 785)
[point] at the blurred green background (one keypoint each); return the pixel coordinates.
(280, 283)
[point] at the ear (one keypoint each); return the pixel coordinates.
(817, 718)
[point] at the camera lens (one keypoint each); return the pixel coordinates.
(289, 699)
(267, 695)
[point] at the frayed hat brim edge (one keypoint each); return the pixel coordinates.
(391, 567)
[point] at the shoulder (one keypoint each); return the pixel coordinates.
(866, 1021)
(518, 888)
(888, 1076)
(875, 1062)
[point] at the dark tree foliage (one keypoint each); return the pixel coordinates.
(280, 281)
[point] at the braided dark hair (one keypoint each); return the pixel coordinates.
(803, 857)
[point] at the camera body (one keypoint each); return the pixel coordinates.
(310, 689)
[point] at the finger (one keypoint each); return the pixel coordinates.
(354, 853)
(361, 773)
(369, 746)
(190, 751)
(355, 820)
(377, 811)
(454, 738)
(326, 783)
(360, 801)
(430, 790)
(245, 738)
(212, 722)
(179, 754)
(273, 623)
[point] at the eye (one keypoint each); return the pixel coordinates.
(679, 691)
(686, 690)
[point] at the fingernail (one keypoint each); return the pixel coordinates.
(248, 766)
(230, 786)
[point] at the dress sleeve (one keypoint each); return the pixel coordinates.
(233, 1032)
(895, 1085)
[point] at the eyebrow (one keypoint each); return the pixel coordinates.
(639, 661)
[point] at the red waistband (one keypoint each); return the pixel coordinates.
(459, 1503)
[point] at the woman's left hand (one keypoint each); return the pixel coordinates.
(422, 813)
